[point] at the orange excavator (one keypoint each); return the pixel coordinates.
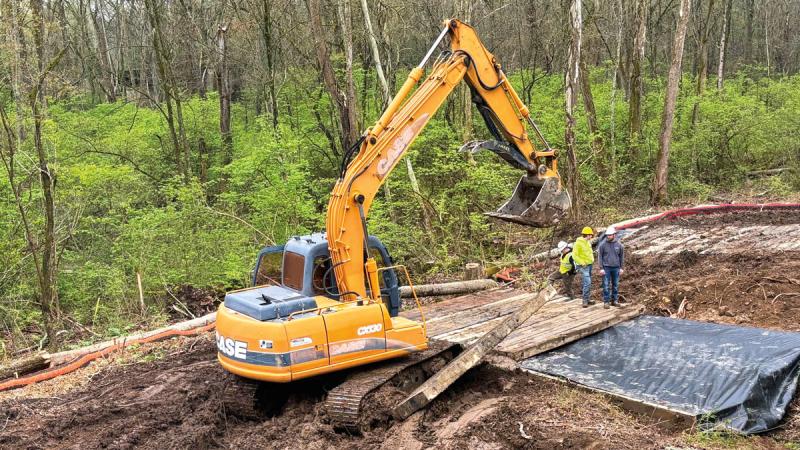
(329, 301)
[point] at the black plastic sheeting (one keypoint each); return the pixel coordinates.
(735, 377)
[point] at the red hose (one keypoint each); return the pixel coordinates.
(81, 361)
(706, 209)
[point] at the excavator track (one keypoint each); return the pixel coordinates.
(345, 403)
(251, 399)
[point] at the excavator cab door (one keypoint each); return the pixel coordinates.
(390, 286)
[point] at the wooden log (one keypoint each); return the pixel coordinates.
(473, 271)
(452, 288)
(69, 355)
(437, 384)
(25, 365)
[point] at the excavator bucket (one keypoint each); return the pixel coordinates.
(537, 202)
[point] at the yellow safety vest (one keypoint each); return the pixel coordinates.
(582, 252)
(566, 264)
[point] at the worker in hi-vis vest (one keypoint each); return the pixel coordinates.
(584, 258)
(566, 268)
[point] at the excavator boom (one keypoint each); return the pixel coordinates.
(538, 199)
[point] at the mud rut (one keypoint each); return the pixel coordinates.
(175, 400)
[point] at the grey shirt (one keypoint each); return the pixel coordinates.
(611, 253)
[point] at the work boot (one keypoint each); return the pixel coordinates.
(585, 305)
(592, 302)
(605, 306)
(616, 303)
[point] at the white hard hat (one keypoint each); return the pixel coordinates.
(611, 230)
(562, 245)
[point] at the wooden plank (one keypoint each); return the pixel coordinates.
(572, 335)
(437, 384)
(446, 324)
(464, 334)
(568, 319)
(567, 326)
(462, 303)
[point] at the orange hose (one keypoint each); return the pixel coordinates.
(89, 357)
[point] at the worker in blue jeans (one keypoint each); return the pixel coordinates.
(611, 255)
(583, 257)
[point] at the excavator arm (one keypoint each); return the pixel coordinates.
(538, 199)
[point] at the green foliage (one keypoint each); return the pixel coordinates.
(123, 210)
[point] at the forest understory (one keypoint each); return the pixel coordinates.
(168, 395)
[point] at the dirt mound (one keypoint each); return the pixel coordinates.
(741, 289)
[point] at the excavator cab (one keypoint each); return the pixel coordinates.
(304, 264)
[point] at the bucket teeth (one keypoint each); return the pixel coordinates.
(536, 202)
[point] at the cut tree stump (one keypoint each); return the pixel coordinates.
(470, 357)
(473, 271)
(25, 365)
(455, 287)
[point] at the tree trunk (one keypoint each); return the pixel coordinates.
(570, 92)
(376, 57)
(169, 86)
(591, 117)
(347, 127)
(48, 292)
(223, 86)
(636, 83)
(412, 178)
(702, 62)
(659, 194)
(107, 77)
(346, 23)
(748, 39)
(25, 365)
(614, 87)
(269, 49)
(723, 42)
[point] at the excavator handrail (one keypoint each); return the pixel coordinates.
(413, 291)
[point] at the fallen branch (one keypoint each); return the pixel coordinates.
(766, 172)
(522, 432)
(69, 355)
(786, 294)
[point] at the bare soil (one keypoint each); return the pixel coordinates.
(170, 395)
(175, 402)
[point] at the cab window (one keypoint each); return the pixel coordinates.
(293, 265)
(269, 269)
(322, 265)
